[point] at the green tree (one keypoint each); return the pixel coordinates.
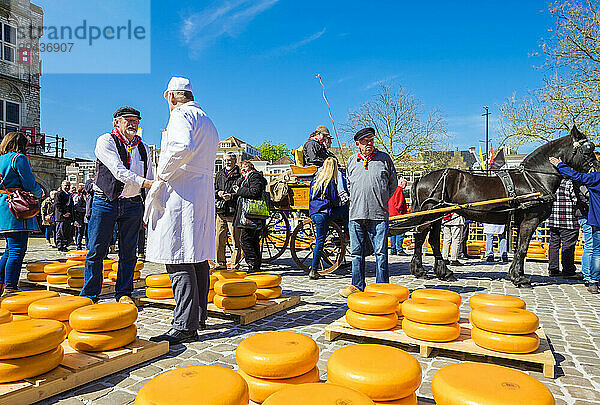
(273, 151)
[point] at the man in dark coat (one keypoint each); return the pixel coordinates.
(225, 179)
(315, 148)
(63, 216)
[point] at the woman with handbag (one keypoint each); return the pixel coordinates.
(17, 208)
(250, 186)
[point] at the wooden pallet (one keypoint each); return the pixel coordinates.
(78, 368)
(543, 355)
(108, 287)
(262, 309)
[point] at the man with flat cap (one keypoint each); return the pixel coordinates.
(123, 168)
(372, 180)
(315, 148)
(180, 210)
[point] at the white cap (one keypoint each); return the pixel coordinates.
(178, 84)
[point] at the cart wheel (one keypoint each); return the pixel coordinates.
(275, 237)
(303, 244)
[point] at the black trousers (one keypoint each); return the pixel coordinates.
(462, 247)
(64, 233)
(568, 238)
(250, 244)
(141, 245)
(190, 289)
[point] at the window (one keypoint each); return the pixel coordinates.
(73, 179)
(10, 117)
(218, 165)
(8, 42)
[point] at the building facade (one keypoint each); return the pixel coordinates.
(80, 171)
(242, 150)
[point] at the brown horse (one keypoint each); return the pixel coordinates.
(451, 186)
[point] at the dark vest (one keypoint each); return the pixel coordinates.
(104, 179)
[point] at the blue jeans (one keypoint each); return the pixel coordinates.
(126, 213)
(12, 259)
(49, 232)
(321, 222)
(376, 231)
(79, 232)
(396, 243)
(586, 256)
(595, 266)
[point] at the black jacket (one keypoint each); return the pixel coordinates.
(225, 183)
(252, 188)
(315, 153)
(63, 204)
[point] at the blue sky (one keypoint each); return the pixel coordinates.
(252, 65)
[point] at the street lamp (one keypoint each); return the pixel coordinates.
(487, 142)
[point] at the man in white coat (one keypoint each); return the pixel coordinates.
(180, 210)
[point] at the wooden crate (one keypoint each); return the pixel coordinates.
(299, 196)
(108, 287)
(543, 355)
(262, 309)
(78, 368)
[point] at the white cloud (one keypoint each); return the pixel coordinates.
(377, 82)
(227, 18)
(296, 45)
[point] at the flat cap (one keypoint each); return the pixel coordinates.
(322, 129)
(364, 132)
(127, 112)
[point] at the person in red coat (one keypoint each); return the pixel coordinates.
(397, 206)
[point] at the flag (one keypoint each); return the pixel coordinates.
(491, 158)
(498, 161)
(481, 159)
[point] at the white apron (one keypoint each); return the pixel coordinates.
(180, 207)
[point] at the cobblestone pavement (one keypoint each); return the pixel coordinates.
(568, 313)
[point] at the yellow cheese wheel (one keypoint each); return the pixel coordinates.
(499, 300)
(36, 276)
(229, 275)
(68, 328)
(495, 385)
(158, 281)
(107, 264)
(5, 316)
(437, 294)
(235, 287)
(244, 302)
(399, 309)
(38, 267)
(112, 276)
(318, 393)
(103, 317)
(76, 282)
(75, 262)
(261, 388)
(431, 333)
(57, 278)
(27, 367)
(507, 320)
(409, 400)
(538, 256)
(500, 342)
(383, 373)
(57, 268)
(427, 310)
(206, 385)
(265, 280)
(213, 280)
(115, 266)
(268, 293)
(372, 303)
(30, 337)
(136, 275)
(371, 322)
(100, 341)
(20, 317)
(159, 293)
(76, 271)
(399, 291)
(211, 295)
(18, 303)
(77, 255)
(57, 308)
(276, 355)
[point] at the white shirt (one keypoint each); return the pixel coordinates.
(133, 178)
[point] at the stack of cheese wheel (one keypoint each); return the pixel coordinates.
(234, 294)
(18, 303)
(107, 267)
(383, 373)
(578, 253)
(57, 308)
(30, 348)
(206, 385)
(507, 328)
(536, 250)
(5, 316)
(431, 319)
(268, 285)
(103, 326)
(35, 270)
(372, 311)
(229, 274)
(211, 291)
(158, 287)
(75, 274)
(136, 272)
(56, 273)
(474, 248)
(78, 255)
(398, 291)
(318, 393)
(480, 383)
(272, 361)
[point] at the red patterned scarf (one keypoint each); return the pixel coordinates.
(129, 145)
(365, 160)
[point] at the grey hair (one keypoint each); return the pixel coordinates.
(231, 155)
(182, 96)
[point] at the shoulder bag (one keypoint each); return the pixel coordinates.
(22, 204)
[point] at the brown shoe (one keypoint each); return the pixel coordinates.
(126, 300)
(345, 292)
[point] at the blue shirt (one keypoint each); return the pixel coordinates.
(592, 182)
(319, 204)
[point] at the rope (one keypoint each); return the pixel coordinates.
(318, 76)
